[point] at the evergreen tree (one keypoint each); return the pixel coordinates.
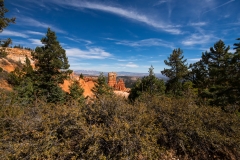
(4, 22)
(237, 46)
(235, 81)
(81, 76)
(148, 84)
(51, 68)
(28, 69)
(25, 90)
(213, 75)
(15, 77)
(76, 92)
(219, 68)
(101, 87)
(22, 81)
(176, 73)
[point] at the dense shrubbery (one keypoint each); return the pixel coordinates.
(39, 121)
(153, 127)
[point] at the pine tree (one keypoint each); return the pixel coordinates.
(22, 81)
(81, 76)
(101, 87)
(28, 69)
(150, 85)
(51, 68)
(213, 75)
(76, 92)
(235, 81)
(177, 72)
(4, 22)
(237, 46)
(219, 66)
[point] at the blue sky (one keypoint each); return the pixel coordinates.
(125, 35)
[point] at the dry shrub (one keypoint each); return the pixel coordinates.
(196, 132)
(112, 128)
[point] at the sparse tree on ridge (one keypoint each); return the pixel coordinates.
(51, 67)
(176, 73)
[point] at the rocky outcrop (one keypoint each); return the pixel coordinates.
(112, 79)
(116, 85)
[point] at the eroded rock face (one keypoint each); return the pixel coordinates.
(116, 85)
(112, 79)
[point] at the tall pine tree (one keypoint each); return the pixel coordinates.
(235, 82)
(51, 68)
(176, 73)
(213, 75)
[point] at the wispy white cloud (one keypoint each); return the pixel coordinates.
(132, 65)
(13, 34)
(126, 13)
(91, 53)
(197, 24)
(27, 21)
(195, 39)
(122, 60)
(160, 2)
(218, 6)
(35, 33)
(79, 40)
(154, 61)
(129, 65)
(194, 59)
(144, 43)
(21, 6)
(17, 10)
(36, 42)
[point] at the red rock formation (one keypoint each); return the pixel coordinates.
(112, 82)
(112, 79)
(120, 85)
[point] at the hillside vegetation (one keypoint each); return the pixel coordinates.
(194, 115)
(152, 127)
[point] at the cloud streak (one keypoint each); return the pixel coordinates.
(144, 43)
(219, 6)
(195, 39)
(91, 53)
(129, 14)
(13, 34)
(129, 65)
(27, 21)
(35, 33)
(77, 40)
(160, 2)
(197, 24)
(36, 42)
